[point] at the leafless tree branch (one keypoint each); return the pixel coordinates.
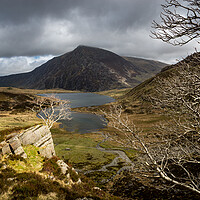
(180, 22)
(174, 150)
(52, 109)
(163, 154)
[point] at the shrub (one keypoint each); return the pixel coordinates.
(5, 175)
(51, 166)
(31, 185)
(74, 176)
(17, 157)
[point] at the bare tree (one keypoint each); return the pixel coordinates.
(165, 154)
(52, 109)
(179, 95)
(180, 22)
(173, 151)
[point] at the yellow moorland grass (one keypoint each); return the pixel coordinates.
(19, 120)
(34, 91)
(33, 162)
(116, 93)
(10, 123)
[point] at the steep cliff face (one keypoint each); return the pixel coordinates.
(39, 136)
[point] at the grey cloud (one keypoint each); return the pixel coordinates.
(44, 27)
(21, 64)
(127, 11)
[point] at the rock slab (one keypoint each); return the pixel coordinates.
(39, 136)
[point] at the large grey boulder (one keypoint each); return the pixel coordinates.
(33, 134)
(39, 136)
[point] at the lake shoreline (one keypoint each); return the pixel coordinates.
(83, 122)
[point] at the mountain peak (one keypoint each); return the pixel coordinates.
(85, 48)
(85, 68)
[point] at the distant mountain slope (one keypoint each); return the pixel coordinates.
(145, 68)
(148, 87)
(84, 68)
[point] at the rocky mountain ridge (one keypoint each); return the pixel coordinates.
(87, 69)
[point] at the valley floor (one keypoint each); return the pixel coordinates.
(94, 155)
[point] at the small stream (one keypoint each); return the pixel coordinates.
(87, 122)
(115, 162)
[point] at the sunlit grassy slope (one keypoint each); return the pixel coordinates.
(32, 91)
(33, 162)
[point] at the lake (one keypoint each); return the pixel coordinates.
(83, 122)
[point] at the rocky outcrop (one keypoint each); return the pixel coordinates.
(63, 166)
(39, 136)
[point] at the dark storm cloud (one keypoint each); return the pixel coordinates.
(125, 12)
(53, 27)
(24, 23)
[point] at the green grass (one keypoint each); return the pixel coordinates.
(83, 153)
(131, 153)
(33, 162)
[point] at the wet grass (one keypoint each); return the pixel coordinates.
(80, 150)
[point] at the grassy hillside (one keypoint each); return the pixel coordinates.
(15, 90)
(39, 178)
(116, 93)
(148, 87)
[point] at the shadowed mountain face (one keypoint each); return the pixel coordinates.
(87, 69)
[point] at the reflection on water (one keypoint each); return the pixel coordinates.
(83, 122)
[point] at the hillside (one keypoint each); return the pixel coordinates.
(87, 69)
(148, 87)
(145, 68)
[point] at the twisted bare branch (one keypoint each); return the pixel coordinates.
(180, 22)
(52, 109)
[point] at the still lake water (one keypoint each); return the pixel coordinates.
(83, 122)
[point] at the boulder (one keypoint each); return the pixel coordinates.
(16, 147)
(6, 149)
(33, 134)
(39, 136)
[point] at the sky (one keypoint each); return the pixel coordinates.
(34, 31)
